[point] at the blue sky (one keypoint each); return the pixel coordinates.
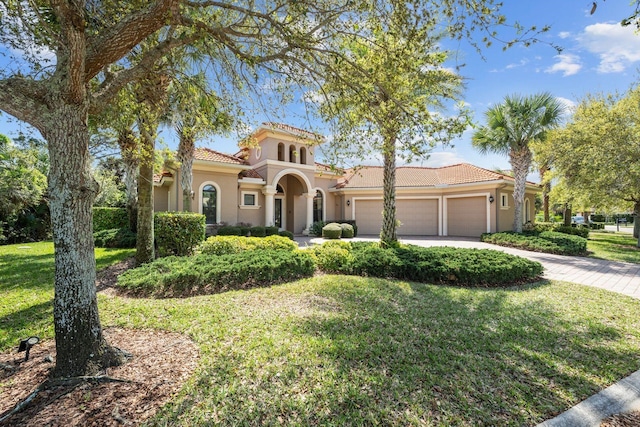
(598, 56)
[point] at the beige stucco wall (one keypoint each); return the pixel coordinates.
(160, 199)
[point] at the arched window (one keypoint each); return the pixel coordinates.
(527, 211)
(281, 152)
(292, 153)
(303, 156)
(210, 204)
(318, 211)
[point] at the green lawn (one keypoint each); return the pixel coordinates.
(614, 246)
(343, 350)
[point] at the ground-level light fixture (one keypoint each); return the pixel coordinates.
(26, 344)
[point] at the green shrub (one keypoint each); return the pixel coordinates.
(597, 218)
(115, 238)
(206, 274)
(579, 230)
(109, 218)
(540, 227)
(221, 245)
(347, 230)
(332, 231)
(547, 241)
(287, 234)
(596, 225)
(571, 244)
(229, 230)
(316, 228)
(271, 231)
(471, 267)
(178, 233)
(257, 231)
(351, 222)
(333, 257)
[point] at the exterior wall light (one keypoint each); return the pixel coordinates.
(491, 199)
(348, 202)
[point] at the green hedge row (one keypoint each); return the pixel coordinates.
(317, 227)
(539, 227)
(206, 274)
(245, 230)
(220, 245)
(453, 266)
(109, 218)
(178, 233)
(547, 241)
(115, 238)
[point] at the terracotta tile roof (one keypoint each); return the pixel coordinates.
(293, 129)
(157, 177)
(251, 173)
(321, 167)
(412, 176)
(210, 155)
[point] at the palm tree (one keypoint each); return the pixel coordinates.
(511, 127)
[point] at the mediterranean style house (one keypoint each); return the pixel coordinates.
(274, 180)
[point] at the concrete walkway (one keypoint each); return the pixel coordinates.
(620, 277)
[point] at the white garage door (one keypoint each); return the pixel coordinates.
(419, 217)
(467, 216)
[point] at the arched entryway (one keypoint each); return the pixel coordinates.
(289, 201)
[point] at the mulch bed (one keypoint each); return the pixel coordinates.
(631, 419)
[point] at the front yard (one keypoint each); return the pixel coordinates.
(345, 350)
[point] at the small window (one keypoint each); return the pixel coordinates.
(249, 199)
(292, 154)
(504, 201)
(303, 156)
(318, 214)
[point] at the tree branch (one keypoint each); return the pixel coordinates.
(24, 99)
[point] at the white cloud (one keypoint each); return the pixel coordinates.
(564, 34)
(569, 104)
(443, 158)
(617, 47)
(521, 63)
(569, 64)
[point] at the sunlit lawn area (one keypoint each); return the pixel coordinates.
(340, 350)
(614, 246)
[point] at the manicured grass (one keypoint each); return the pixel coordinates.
(614, 246)
(26, 289)
(345, 350)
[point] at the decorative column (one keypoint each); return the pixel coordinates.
(309, 197)
(269, 192)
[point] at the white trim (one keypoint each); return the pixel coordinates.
(505, 197)
(324, 202)
(255, 198)
(271, 162)
(283, 211)
(218, 199)
(258, 152)
(460, 196)
(291, 171)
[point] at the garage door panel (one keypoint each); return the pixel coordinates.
(466, 216)
(419, 217)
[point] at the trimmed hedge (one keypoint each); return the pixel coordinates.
(221, 245)
(271, 231)
(287, 234)
(332, 231)
(178, 233)
(258, 231)
(347, 230)
(109, 218)
(115, 238)
(453, 266)
(548, 242)
(579, 230)
(207, 274)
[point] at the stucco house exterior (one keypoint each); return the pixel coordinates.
(274, 180)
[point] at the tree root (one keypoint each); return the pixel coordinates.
(71, 382)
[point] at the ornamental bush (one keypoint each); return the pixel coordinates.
(347, 230)
(271, 231)
(316, 228)
(258, 231)
(579, 230)
(287, 234)
(548, 242)
(221, 245)
(207, 274)
(109, 218)
(178, 233)
(332, 231)
(115, 238)
(456, 266)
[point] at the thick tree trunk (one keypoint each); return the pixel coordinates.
(145, 250)
(388, 235)
(186, 153)
(520, 162)
(129, 151)
(80, 346)
(567, 215)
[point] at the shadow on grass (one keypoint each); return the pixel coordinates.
(19, 324)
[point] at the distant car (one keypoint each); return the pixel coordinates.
(578, 219)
